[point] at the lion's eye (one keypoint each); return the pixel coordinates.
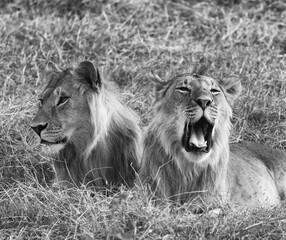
(215, 91)
(183, 89)
(62, 100)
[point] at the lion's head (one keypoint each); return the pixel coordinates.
(63, 112)
(83, 124)
(186, 143)
(197, 110)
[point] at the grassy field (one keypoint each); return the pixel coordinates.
(243, 39)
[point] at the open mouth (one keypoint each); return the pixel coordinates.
(62, 141)
(197, 136)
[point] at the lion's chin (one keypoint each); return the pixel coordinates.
(197, 137)
(52, 148)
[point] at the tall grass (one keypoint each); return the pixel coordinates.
(242, 39)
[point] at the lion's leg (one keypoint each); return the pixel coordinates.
(65, 175)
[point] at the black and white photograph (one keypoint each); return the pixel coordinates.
(142, 119)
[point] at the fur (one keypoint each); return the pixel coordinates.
(169, 171)
(239, 176)
(103, 146)
(109, 158)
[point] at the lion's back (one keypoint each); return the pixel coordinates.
(269, 156)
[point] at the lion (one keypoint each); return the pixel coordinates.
(93, 138)
(187, 157)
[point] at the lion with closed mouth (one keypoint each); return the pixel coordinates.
(92, 136)
(186, 152)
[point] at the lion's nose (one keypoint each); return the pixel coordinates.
(39, 128)
(203, 102)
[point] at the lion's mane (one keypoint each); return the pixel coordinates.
(107, 152)
(167, 170)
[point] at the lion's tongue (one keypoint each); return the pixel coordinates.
(197, 138)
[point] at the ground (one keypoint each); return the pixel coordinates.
(125, 39)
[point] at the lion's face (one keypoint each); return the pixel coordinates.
(198, 108)
(63, 112)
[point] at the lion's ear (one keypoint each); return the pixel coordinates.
(88, 73)
(52, 66)
(159, 84)
(232, 90)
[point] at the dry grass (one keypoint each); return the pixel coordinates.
(244, 39)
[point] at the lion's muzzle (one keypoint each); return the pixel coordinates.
(48, 137)
(197, 136)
